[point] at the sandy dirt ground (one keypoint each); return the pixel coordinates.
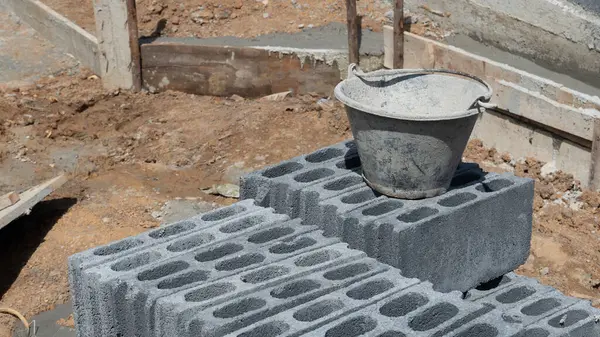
(127, 156)
(241, 18)
(130, 155)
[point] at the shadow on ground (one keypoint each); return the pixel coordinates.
(20, 239)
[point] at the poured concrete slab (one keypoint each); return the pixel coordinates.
(46, 323)
(24, 55)
(329, 37)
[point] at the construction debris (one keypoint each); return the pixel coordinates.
(224, 190)
(30, 198)
(9, 199)
(280, 96)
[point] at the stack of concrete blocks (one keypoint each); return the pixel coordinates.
(246, 271)
(477, 231)
(252, 271)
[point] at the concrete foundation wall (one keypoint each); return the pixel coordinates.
(559, 35)
(522, 139)
(535, 117)
(58, 30)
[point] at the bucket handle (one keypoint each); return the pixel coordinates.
(483, 101)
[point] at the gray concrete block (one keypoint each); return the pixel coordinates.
(537, 310)
(115, 250)
(414, 310)
(420, 311)
(310, 198)
(519, 298)
(577, 318)
(279, 186)
(494, 286)
(332, 207)
(535, 307)
(335, 306)
(478, 233)
(296, 239)
(491, 324)
(282, 278)
(174, 312)
(479, 230)
(244, 311)
(158, 245)
(111, 283)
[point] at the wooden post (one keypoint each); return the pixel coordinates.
(353, 31)
(116, 30)
(594, 182)
(399, 34)
(134, 44)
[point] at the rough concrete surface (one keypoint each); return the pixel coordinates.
(181, 209)
(591, 5)
(329, 37)
(554, 33)
(284, 278)
(160, 237)
(24, 55)
(46, 325)
(479, 230)
(519, 62)
(328, 44)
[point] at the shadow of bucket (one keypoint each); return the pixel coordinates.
(411, 126)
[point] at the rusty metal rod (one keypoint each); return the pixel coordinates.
(353, 31)
(399, 35)
(134, 45)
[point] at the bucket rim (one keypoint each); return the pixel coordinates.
(480, 102)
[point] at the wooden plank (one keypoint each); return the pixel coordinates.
(353, 32)
(29, 199)
(224, 71)
(8, 199)
(399, 35)
(134, 44)
(594, 182)
(59, 31)
(114, 41)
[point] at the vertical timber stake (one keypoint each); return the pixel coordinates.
(594, 182)
(399, 35)
(134, 44)
(353, 31)
(116, 30)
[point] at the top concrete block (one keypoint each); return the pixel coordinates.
(480, 229)
(275, 186)
(479, 232)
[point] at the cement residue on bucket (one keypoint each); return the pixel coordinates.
(413, 96)
(411, 126)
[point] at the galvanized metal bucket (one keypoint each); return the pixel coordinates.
(411, 126)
